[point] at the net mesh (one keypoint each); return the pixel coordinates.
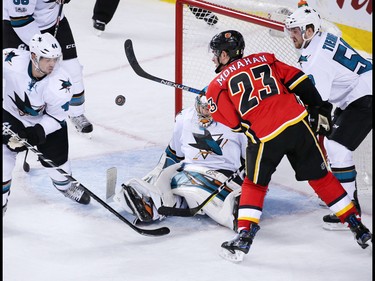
(198, 68)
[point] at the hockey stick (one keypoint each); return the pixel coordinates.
(129, 51)
(171, 211)
(26, 166)
(59, 17)
(152, 232)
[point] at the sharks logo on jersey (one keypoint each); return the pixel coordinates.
(25, 107)
(65, 85)
(208, 144)
(303, 59)
(9, 56)
(31, 85)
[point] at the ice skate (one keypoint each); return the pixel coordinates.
(82, 124)
(99, 27)
(361, 233)
(234, 250)
(333, 223)
(77, 194)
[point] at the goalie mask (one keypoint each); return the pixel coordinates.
(203, 112)
(302, 18)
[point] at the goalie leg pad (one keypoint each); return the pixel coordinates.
(136, 198)
(220, 210)
(140, 205)
(142, 197)
(119, 198)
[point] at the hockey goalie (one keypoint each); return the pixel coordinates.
(200, 157)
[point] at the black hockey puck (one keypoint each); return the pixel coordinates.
(120, 100)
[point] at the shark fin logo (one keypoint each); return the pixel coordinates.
(208, 144)
(9, 56)
(65, 84)
(24, 107)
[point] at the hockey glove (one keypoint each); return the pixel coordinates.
(320, 118)
(12, 142)
(249, 133)
(34, 135)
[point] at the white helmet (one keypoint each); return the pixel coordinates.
(45, 45)
(302, 17)
(202, 108)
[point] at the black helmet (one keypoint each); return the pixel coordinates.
(231, 42)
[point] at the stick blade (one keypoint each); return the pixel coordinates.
(154, 232)
(128, 47)
(130, 55)
(111, 182)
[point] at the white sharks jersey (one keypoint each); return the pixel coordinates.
(31, 16)
(340, 74)
(211, 147)
(33, 101)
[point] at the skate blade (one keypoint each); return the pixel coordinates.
(86, 135)
(335, 226)
(237, 257)
(368, 249)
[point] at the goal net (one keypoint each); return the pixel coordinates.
(261, 25)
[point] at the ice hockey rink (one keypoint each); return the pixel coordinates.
(47, 237)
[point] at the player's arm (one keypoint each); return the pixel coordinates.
(222, 109)
(319, 111)
(172, 153)
(57, 95)
(22, 20)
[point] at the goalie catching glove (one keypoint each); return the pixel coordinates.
(320, 118)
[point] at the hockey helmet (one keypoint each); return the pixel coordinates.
(231, 42)
(302, 17)
(46, 46)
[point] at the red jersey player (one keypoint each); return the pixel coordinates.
(260, 96)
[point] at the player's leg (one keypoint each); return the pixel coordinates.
(351, 126)
(10, 37)
(72, 65)
(56, 149)
(309, 163)
(103, 13)
(9, 162)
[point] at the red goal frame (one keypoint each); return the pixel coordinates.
(216, 9)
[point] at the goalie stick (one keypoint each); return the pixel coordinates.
(111, 183)
(190, 212)
(129, 51)
(151, 232)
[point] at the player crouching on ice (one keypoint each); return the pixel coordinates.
(201, 155)
(36, 97)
